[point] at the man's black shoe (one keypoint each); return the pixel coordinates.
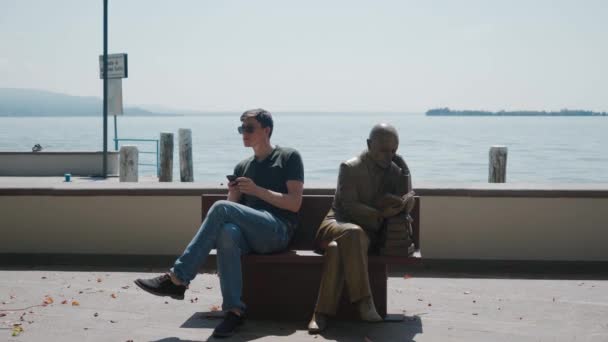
(229, 324)
(162, 286)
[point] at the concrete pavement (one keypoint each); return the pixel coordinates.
(110, 308)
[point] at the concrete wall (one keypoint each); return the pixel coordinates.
(98, 224)
(514, 228)
(161, 219)
(56, 163)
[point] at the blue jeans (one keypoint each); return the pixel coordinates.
(233, 229)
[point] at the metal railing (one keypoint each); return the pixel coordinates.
(156, 153)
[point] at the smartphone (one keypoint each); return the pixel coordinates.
(231, 178)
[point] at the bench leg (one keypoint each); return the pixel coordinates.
(289, 292)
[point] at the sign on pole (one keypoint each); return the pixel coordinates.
(115, 96)
(117, 66)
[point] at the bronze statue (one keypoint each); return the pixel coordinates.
(371, 188)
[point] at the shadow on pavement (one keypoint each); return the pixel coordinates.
(377, 332)
(404, 330)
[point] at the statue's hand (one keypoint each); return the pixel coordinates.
(392, 211)
(397, 159)
(409, 201)
(388, 200)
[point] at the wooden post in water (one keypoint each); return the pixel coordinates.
(166, 158)
(185, 155)
(129, 157)
(498, 164)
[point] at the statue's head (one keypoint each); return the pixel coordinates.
(382, 144)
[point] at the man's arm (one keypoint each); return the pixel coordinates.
(291, 201)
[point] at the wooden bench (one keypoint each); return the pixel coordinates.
(285, 285)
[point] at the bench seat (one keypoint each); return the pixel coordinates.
(284, 286)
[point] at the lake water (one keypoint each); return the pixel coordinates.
(546, 150)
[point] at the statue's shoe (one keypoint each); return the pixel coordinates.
(367, 310)
(318, 323)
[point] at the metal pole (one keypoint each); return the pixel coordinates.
(105, 89)
(115, 135)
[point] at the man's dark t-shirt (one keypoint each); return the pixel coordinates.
(283, 164)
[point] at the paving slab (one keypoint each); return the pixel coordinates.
(95, 305)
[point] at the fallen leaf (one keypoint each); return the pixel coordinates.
(215, 308)
(75, 303)
(65, 301)
(47, 300)
(17, 329)
(114, 295)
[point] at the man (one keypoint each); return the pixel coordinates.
(259, 216)
(371, 188)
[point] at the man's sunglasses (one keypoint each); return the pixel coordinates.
(246, 129)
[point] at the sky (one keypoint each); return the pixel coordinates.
(330, 55)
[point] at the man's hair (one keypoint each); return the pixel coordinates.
(262, 116)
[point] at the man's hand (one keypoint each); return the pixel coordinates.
(246, 186)
(232, 186)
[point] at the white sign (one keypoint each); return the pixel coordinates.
(117, 66)
(115, 96)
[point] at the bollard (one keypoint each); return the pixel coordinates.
(166, 158)
(185, 155)
(129, 157)
(498, 164)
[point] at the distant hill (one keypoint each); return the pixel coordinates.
(31, 102)
(563, 112)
